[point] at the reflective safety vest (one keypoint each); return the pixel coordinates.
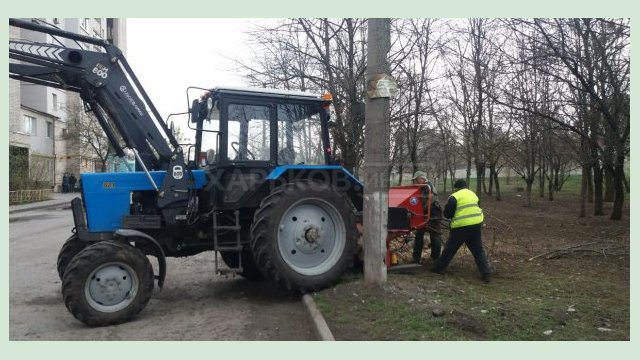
(467, 210)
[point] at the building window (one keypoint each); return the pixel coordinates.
(85, 23)
(56, 21)
(49, 129)
(54, 101)
(30, 125)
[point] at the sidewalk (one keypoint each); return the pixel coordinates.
(57, 200)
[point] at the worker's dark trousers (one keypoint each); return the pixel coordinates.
(436, 243)
(470, 235)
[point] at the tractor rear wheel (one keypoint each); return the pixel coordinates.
(304, 235)
(107, 283)
(69, 249)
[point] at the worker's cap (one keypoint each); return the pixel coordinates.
(419, 174)
(460, 184)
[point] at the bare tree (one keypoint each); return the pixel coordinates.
(591, 57)
(528, 88)
(415, 63)
(86, 135)
(321, 55)
(459, 94)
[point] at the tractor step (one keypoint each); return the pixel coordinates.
(234, 228)
(237, 246)
(225, 271)
(228, 248)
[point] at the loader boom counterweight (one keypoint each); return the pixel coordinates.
(104, 81)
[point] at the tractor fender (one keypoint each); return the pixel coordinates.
(154, 247)
(339, 177)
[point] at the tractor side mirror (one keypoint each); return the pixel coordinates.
(194, 112)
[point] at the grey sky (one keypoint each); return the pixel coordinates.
(169, 55)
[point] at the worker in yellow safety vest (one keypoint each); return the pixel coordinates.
(466, 224)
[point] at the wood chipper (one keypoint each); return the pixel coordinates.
(409, 210)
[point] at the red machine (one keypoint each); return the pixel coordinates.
(409, 210)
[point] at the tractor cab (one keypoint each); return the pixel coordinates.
(244, 134)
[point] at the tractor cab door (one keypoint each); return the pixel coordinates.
(244, 155)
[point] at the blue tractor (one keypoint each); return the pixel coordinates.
(259, 186)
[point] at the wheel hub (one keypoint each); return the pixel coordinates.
(111, 287)
(309, 238)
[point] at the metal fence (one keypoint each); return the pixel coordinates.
(25, 196)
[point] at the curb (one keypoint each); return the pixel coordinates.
(63, 204)
(320, 326)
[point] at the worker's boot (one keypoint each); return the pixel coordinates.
(486, 278)
(436, 269)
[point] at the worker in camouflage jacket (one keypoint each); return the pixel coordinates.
(434, 229)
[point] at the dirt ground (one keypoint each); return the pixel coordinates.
(195, 303)
(556, 277)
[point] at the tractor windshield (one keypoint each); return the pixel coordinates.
(248, 132)
(299, 134)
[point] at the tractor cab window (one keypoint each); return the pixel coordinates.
(248, 133)
(299, 135)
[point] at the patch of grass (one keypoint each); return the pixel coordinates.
(529, 304)
(572, 295)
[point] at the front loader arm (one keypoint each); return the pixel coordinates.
(105, 83)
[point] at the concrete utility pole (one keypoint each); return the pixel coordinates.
(380, 86)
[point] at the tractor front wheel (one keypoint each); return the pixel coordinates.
(107, 283)
(69, 250)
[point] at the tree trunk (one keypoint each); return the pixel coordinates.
(491, 170)
(452, 177)
(497, 184)
(541, 178)
(413, 156)
(349, 158)
(618, 182)
(529, 183)
(584, 190)
(444, 180)
(484, 179)
(609, 187)
(598, 208)
(589, 184)
(626, 184)
(479, 181)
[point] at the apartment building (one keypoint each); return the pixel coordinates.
(39, 149)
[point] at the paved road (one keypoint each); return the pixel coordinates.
(194, 304)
